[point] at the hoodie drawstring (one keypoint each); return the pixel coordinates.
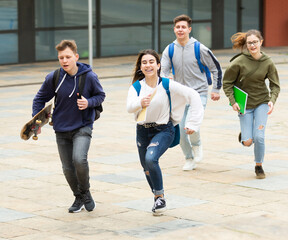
(73, 88)
(63, 81)
(60, 83)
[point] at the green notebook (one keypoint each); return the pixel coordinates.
(241, 98)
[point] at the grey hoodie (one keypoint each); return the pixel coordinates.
(187, 71)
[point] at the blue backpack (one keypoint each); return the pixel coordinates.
(197, 55)
(165, 83)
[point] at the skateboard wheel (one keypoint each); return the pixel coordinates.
(38, 122)
(35, 138)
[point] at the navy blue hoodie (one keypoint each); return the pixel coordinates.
(66, 115)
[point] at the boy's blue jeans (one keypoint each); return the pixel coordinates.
(73, 149)
(253, 125)
(152, 143)
(187, 141)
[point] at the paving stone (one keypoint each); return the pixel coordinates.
(161, 228)
(171, 202)
(272, 183)
(117, 159)
(6, 153)
(7, 215)
(116, 178)
(8, 139)
(269, 166)
(17, 174)
(263, 226)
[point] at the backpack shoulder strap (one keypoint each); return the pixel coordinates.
(82, 79)
(197, 55)
(56, 75)
(170, 53)
(165, 83)
(137, 87)
(201, 66)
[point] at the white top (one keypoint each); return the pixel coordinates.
(159, 109)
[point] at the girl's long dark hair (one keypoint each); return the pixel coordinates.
(137, 73)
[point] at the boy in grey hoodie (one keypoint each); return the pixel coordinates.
(188, 73)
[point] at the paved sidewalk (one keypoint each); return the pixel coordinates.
(219, 200)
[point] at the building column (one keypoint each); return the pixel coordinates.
(26, 31)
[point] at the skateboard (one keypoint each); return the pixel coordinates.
(39, 120)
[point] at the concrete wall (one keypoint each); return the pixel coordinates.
(275, 23)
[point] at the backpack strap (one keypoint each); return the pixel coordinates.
(137, 87)
(56, 78)
(165, 83)
(197, 55)
(56, 75)
(82, 79)
(98, 109)
(201, 66)
(170, 53)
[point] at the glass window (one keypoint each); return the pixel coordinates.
(116, 41)
(200, 9)
(230, 21)
(250, 15)
(62, 13)
(47, 40)
(167, 36)
(8, 48)
(8, 15)
(171, 8)
(196, 9)
(202, 32)
(125, 11)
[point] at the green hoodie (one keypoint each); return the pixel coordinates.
(250, 74)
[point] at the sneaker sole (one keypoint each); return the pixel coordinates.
(189, 169)
(88, 210)
(198, 160)
(159, 212)
(79, 210)
(260, 177)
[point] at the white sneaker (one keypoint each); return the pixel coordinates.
(198, 153)
(189, 165)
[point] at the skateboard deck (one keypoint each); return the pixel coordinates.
(39, 120)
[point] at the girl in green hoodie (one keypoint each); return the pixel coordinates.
(248, 71)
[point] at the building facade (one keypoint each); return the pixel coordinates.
(30, 29)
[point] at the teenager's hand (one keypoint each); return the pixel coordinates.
(82, 103)
(145, 101)
(271, 107)
(236, 107)
(189, 131)
(215, 96)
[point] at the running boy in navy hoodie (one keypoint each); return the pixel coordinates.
(73, 119)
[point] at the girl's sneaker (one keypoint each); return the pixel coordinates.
(260, 174)
(159, 206)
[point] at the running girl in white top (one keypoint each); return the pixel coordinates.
(155, 131)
